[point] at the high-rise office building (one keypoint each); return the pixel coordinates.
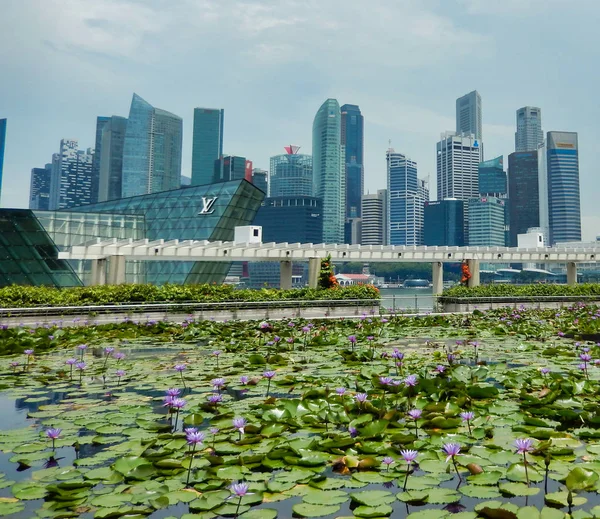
(39, 189)
(458, 159)
(529, 134)
(374, 218)
(109, 157)
(487, 222)
(2, 148)
(291, 174)
(468, 115)
(100, 123)
(523, 193)
(229, 168)
(260, 179)
(71, 182)
(563, 187)
(406, 196)
(492, 177)
(152, 150)
(353, 142)
(207, 143)
(444, 223)
(329, 169)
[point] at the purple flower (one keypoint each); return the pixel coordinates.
(340, 391)
(397, 354)
(214, 398)
(120, 373)
(82, 347)
(168, 400)
(217, 383)
(385, 381)
(178, 403)
(523, 445)
(582, 366)
(276, 338)
(409, 455)
(361, 398)
(353, 431)
(216, 353)
(388, 460)
(28, 352)
(451, 450)
(239, 489)
(467, 416)
(305, 329)
(179, 367)
(269, 374)
(81, 366)
(189, 430)
(451, 358)
(561, 334)
(173, 391)
(352, 338)
(370, 338)
(119, 355)
(194, 438)
(53, 434)
(585, 357)
(264, 326)
(415, 414)
(71, 362)
(289, 340)
(440, 368)
(214, 430)
(108, 351)
(291, 324)
(239, 424)
(411, 381)
(545, 371)
(244, 380)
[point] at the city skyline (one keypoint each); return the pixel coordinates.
(99, 75)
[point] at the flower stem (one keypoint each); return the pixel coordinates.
(182, 380)
(469, 426)
(187, 482)
(238, 507)
(268, 386)
(525, 463)
(406, 478)
(456, 468)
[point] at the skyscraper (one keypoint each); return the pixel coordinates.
(563, 187)
(374, 216)
(486, 222)
(228, 168)
(353, 141)
(328, 169)
(100, 123)
(406, 197)
(523, 193)
(443, 223)
(458, 159)
(39, 190)
(109, 156)
(71, 182)
(260, 178)
(291, 174)
(468, 115)
(529, 134)
(2, 147)
(492, 177)
(152, 150)
(207, 143)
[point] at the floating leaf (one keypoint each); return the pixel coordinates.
(308, 510)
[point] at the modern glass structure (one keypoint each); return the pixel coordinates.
(229, 168)
(260, 178)
(110, 158)
(486, 222)
(563, 187)
(71, 182)
(458, 159)
(152, 150)
(492, 177)
(101, 122)
(523, 193)
(39, 189)
(407, 194)
(291, 174)
(291, 219)
(207, 143)
(444, 223)
(329, 182)
(353, 142)
(529, 134)
(468, 115)
(374, 218)
(2, 148)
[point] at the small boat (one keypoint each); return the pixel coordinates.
(416, 283)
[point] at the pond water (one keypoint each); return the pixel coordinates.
(309, 447)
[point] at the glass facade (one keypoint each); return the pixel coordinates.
(492, 177)
(152, 150)
(39, 188)
(71, 180)
(523, 193)
(468, 115)
(291, 175)
(329, 179)
(229, 168)
(207, 143)
(563, 187)
(2, 148)
(353, 142)
(260, 178)
(101, 122)
(529, 134)
(486, 222)
(28, 256)
(110, 157)
(444, 223)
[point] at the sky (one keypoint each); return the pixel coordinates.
(271, 63)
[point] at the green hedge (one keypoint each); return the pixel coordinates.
(540, 289)
(25, 296)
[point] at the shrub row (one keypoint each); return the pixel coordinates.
(540, 289)
(26, 296)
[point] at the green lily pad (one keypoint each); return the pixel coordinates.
(581, 479)
(373, 511)
(373, 498)
(518, 489)
(308, 510)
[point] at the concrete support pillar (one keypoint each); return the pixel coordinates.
(438, 278)
(571, 273)
(314, 269)
(285, 276)
(116, 270)
(474, 270)
(98, 272)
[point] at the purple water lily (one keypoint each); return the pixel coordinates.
(468, 416)
(53, 434)
(411, 381)
(218, 383)
(81, 367)
(239, 424)
(194, 438)
(388, 460)
(120, 373)
(240, 490)
(451, 450)
(409, 457)
(215, 398)
(523, 446)
(180, 368)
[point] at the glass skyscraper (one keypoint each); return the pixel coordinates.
(291, 174)
(329, 182)
(529, 134)
(207, 143)
(468, 115)
(2, 148)
(110, 158)
(152, 150)
(563, 187)
(444, 223)
(353, 141)
(71, 181)
(486, 222)
(39, 189)
(100, 123)
(374, 218)
(229, 168)
(260, 178)
(492, 177)
(523, 193)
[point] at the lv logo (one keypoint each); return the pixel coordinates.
(207, 205)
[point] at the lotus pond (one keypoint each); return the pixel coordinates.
(492, 415)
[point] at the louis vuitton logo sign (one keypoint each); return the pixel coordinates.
(207, 205)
